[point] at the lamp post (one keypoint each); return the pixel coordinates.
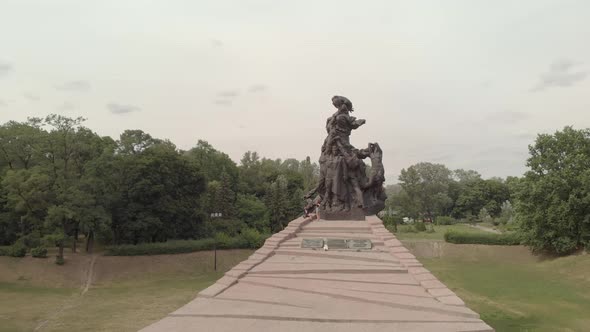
(213, 216)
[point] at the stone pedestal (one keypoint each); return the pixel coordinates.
(352, 214)
(285, 286)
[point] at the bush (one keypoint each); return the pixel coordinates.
(231, 227)
(59, 260)
(420, 227)
(406, 229)
(39, 252)
(508, 239)
(4, 251)
(253, 238)
(248, 239)
(30, 240)
(17, 250)
(445, 220)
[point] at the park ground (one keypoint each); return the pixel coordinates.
(512, 289)
(126, 294)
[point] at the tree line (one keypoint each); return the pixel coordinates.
(549, 206)
(60, 180)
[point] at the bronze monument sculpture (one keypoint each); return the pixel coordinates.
(345, 191)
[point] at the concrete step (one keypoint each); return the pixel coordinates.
(361, 229)
(337, 235)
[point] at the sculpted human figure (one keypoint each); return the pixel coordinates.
(344, 191)
(340, 124)
(335, 195)
(355, 175)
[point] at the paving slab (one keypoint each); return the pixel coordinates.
(284, 287)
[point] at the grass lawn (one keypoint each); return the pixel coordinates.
(129, 293)
(438, 234)
(516, 291)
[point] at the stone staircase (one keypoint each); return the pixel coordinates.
(284, 287)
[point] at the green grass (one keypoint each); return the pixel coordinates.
(515, 291)
(438, 234)
(129, 293)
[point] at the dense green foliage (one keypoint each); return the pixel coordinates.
(60, 180)
(482, 238)
(247, 240)
(17, 250)
(445, 220)
(549, 206)
(553, 197)
(427, 191)
(39, 252)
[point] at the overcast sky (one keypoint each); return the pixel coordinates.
(463, 83)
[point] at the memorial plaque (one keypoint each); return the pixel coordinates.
(359, 244)
(312, 243)
(337, 244)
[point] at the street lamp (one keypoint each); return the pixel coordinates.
(213, 216)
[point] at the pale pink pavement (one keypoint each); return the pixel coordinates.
(283, 287)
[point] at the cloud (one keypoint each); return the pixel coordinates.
(525, 136)
(223, 102)
(216, 43)
(117, 108)
(5, 68)
(226, 97)
(508, 117)
(31, 96)
(75, 86)
(442, 158)
(562, 73)
(66, 106)
(257, 88)
(228, 93)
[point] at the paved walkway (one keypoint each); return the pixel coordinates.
(283, 287)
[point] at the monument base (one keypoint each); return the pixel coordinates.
(352, 214)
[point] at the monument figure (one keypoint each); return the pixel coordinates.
(344, 190)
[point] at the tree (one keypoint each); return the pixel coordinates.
(20, 144)
(278, 203)
(310, 173)
(213, 163)
(477, 194)
(28, 195)
(253, 211)
(135, 142)
(507, 213)
(426, 186)
(155, 196)
(553, 197)
(225, 197)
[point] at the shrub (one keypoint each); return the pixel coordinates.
(406, 229)
(17, 250)
(59, 260)
(231, 227)
(248, 239)
(253, 238)
(445, 220)
(420, 227)
(4, 251)
(39, 252)
(160, 248)
(30, 240)
(506, 239)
